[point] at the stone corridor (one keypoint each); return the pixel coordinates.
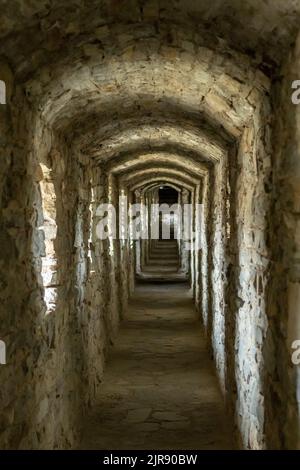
(123, 323)
(159, 389)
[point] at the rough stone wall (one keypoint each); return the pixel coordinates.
(147, 244)
(185, 254)
(131, 253)
(203, 305)
(94, 329)
(199, 226)
(36, 403)
(252, 272)
(16, 330)
(238, 263)
(145, 229)
(192, 257)
(55, 358)
(218, 267)
(115, 306)
(282, 378)
(125, 260)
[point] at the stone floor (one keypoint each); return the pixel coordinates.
(159, 390)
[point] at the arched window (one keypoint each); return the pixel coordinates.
(49, 227)
(2, 92)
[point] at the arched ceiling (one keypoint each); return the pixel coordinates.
(163, 178)
(138, 76)
(123, 79)
(103, 141)
(185, 163)
(143, 138)
(264, 29)
(206, 85)
(135, 175)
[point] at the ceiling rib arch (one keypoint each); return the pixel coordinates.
(163, 178)
(157, 171)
